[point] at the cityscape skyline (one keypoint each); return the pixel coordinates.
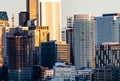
(94, 7)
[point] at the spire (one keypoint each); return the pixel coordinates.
(12, 20)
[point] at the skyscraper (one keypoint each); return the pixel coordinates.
(3, 23)
(52, 52)
(20, 58)
(105, 28)
(107, 54)
(49, 14)
(84, 41)
(69, 37)
(23, 18)
(3, 19)
(31, 8)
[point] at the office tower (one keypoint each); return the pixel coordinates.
(53, 51)
(31, 8)
(69, 37)
(84, 41)
(105, 28)
(3, 23)
(49, 14)
(107, 54)
(23, 18)
(117, 29)
(3, 19)
(20, 58)
(41, 34)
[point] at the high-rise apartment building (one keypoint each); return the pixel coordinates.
(54, 51)
(105, 28)
(69, 37)
(31, 8)
(84, 41)
(23, 18)
(49, 14)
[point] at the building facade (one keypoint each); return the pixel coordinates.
(53, 51)
(107, 54)
(23, 18)
(19, 52)
(84, 41)
(105, 28)
(3, 23)
(3, 19)
(49, 14)
(31, 8)
(63, 72)
(106, 74)
(85, 74)
(69, 37)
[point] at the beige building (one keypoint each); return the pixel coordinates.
(31, 8)
(3, 23)
(41, 35)
(49, 14)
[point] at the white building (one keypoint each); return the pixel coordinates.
(84, 74)
(63, 72)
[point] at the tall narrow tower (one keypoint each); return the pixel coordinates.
(31, 8)
(49, 14)
(84, 41)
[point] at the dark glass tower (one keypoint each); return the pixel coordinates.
(23, 18)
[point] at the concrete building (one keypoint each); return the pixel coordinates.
(69, 37)
(53, 51)
(105, 28)
(49, 14)
(19, 53)
(63, 72)
(85, 74)
(23, 18)
(31, 8)
(3, 23)
(107, 54)
(84, 41)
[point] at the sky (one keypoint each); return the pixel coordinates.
(68, 8)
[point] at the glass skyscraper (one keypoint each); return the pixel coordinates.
(84, 41)
(105, 29)
(49, 14)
